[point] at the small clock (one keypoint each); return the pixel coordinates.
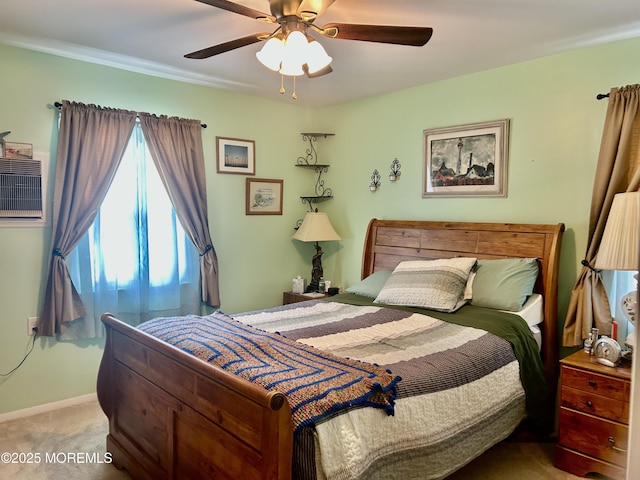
(607, 351)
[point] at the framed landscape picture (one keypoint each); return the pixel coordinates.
(264, 196)
(18, 150)
(235, 156)
(467, 160)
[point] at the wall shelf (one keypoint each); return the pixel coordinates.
(310, 161)
(311, 157)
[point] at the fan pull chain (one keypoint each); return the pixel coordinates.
(282, 90)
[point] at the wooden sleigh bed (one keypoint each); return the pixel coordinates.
(172, 415)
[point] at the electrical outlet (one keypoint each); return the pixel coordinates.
(32, 322)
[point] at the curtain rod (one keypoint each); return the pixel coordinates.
(58, 105)
(600, 96)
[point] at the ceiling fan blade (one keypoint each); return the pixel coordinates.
(416, 36)
(240, 9)
(227, 46)
(319, 73)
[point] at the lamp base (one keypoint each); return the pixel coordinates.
(316, 270)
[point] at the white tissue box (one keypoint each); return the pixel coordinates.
(298, 285)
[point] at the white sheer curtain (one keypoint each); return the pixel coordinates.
(136, 261)
(618, 284)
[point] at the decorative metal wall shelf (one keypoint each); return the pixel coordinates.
(311, 157)
(310, 161)
(321, 192)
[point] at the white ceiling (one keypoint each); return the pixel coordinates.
(151, 36)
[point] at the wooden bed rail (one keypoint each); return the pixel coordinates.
(172, 415)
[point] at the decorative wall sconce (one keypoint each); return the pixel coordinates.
(375, 181)
(395, 170)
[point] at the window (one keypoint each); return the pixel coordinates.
(135, 260)
(617, 284)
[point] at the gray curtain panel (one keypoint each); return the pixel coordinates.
(176, 148)
(91, 142)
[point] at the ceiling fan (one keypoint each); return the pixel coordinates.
(298, 16)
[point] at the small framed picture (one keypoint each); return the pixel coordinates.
(18, 150)
(264, 196)
(236, 156)
(466, 160)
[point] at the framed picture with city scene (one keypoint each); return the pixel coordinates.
(466, 160)
(236, 155)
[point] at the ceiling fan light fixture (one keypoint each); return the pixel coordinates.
(317, 57)
(291, 68)
(296, 47)
(271, 54)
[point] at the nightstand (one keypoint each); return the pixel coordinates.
(290, 297)
(593, 417)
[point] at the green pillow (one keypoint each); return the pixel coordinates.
(371, 286)
(504, 284)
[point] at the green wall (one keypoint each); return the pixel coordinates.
(556, 125)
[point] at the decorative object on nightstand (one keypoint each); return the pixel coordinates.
(594, 417)
(619, 248)
(316, 227)
(607, 351)
(298, 285)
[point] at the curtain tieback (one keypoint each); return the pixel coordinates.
(588, 265)
(206, 249)
(58, 253)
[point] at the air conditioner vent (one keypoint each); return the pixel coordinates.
(20, 188)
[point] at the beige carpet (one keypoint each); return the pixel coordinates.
(70, 443)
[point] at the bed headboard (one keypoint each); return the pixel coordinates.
(388, 242)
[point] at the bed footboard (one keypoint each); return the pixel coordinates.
(172, 415)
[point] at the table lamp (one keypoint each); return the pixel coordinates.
(316, 227)
(620, 246)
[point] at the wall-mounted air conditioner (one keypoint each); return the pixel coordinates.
(23, 191)
(20, 188)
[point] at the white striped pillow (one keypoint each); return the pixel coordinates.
(434, 284)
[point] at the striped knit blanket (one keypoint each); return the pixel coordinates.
(315, 383)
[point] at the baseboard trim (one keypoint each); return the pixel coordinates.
(48, 407)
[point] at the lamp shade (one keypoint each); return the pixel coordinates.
(621, 239)
(316, 227)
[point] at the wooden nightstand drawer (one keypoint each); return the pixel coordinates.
(598, 437)
(592, 382)
(593, 417)
(589, 402)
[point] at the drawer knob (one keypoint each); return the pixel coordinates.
(592, 383)
(612, 442)
(588, 404)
